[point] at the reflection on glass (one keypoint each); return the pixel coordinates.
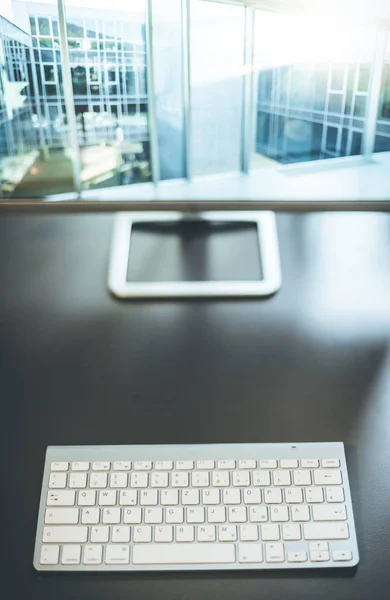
(109, 90)
(168, 85)
(217, 55)
(309, 86)
(382, 139)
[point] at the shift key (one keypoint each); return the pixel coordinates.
(63, 535)
(326, 531)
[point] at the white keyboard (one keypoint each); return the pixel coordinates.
(233, 506)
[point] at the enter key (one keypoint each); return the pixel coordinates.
(327, 512)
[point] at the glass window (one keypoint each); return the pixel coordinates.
(49, 73)
(75, 28)
(321, 82)
(54, 23)
(382, 139)
(217, 53)
(33, 27)
(359, 109)
(168, 84)
(44, 26)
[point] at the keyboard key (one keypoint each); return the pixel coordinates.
(270, 532)
(274, 553)
(293, 496)
(334, 494)
(241, 478)
(190, 497)
(62, 516)
(184, 465)
(250, 553)
(120, 534)
(99, 534)
(186, 533)
(132, 515)
(59, 466)
(237, 514)
(86, 498)
(221, 478)
(300, 513)
(319, 547)
(227, 533)
(71, 554)
(61, 498)
(206, 533)
(330, 463)
(302, 477)
(100, 466)
(57, 480)
(195, 515)
(148, 497)
(98, 480)
(211, 496)
(128, 497)
(297, 557)
(226, 464)
(142, 534)
(159, 480)
(111, 516)
(154, 515)
(268, 464)
(163, 465)
(169, 497)
(326, 512)
(309, 463)
(291, 532)
(90, 516)
(281, 477)
(261, 478)
(49, 555)
(118, 480)
(170, 554)
(319, 556)
(247, 464)
(205, 464)
(314, 494)
(174, 515)
(80, 466)
(251, 495)
(279, 513)
(163, 534)
(249, 533)
(290, 463)
(258, 514)
(341, 555)
(327, 477)
(78, 480)
(326, 531)
(273, 496)
(180, 479)
(216, 514)
(64, 535)
(121, 465)
(93, 555)
(231, 496)
(107, 498)
(142, 465)
(117, 555)
(139, 480)
(200, 479)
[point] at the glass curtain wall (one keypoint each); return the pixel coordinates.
(217, 35)
(312, 87)
(382, 139)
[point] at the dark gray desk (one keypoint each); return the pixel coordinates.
(312, 363)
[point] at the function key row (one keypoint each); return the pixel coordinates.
(188, 465)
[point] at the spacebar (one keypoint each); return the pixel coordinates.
(169, 554)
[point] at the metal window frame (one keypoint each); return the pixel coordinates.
(152, 118)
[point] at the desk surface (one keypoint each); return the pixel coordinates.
(310, 364)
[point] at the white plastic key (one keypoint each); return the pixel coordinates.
(78, 480)
(86, 498)
(250, 553)
(61, 516)
(100, 534)
(80, 466)
(326, 531)
(170, 554)
(327, 477)
(57, 480)
(59, 466)
(117, 555)
(71, 554)
(49, 555)
(329, 512)
(100, 466)
(98, 480)
(274, 553)
(120, 534)
(93, 555)
(60, 534)
(61, 498)
(90, 516)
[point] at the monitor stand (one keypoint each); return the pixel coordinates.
(267, 238)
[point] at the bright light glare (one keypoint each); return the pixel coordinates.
(285, 40)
